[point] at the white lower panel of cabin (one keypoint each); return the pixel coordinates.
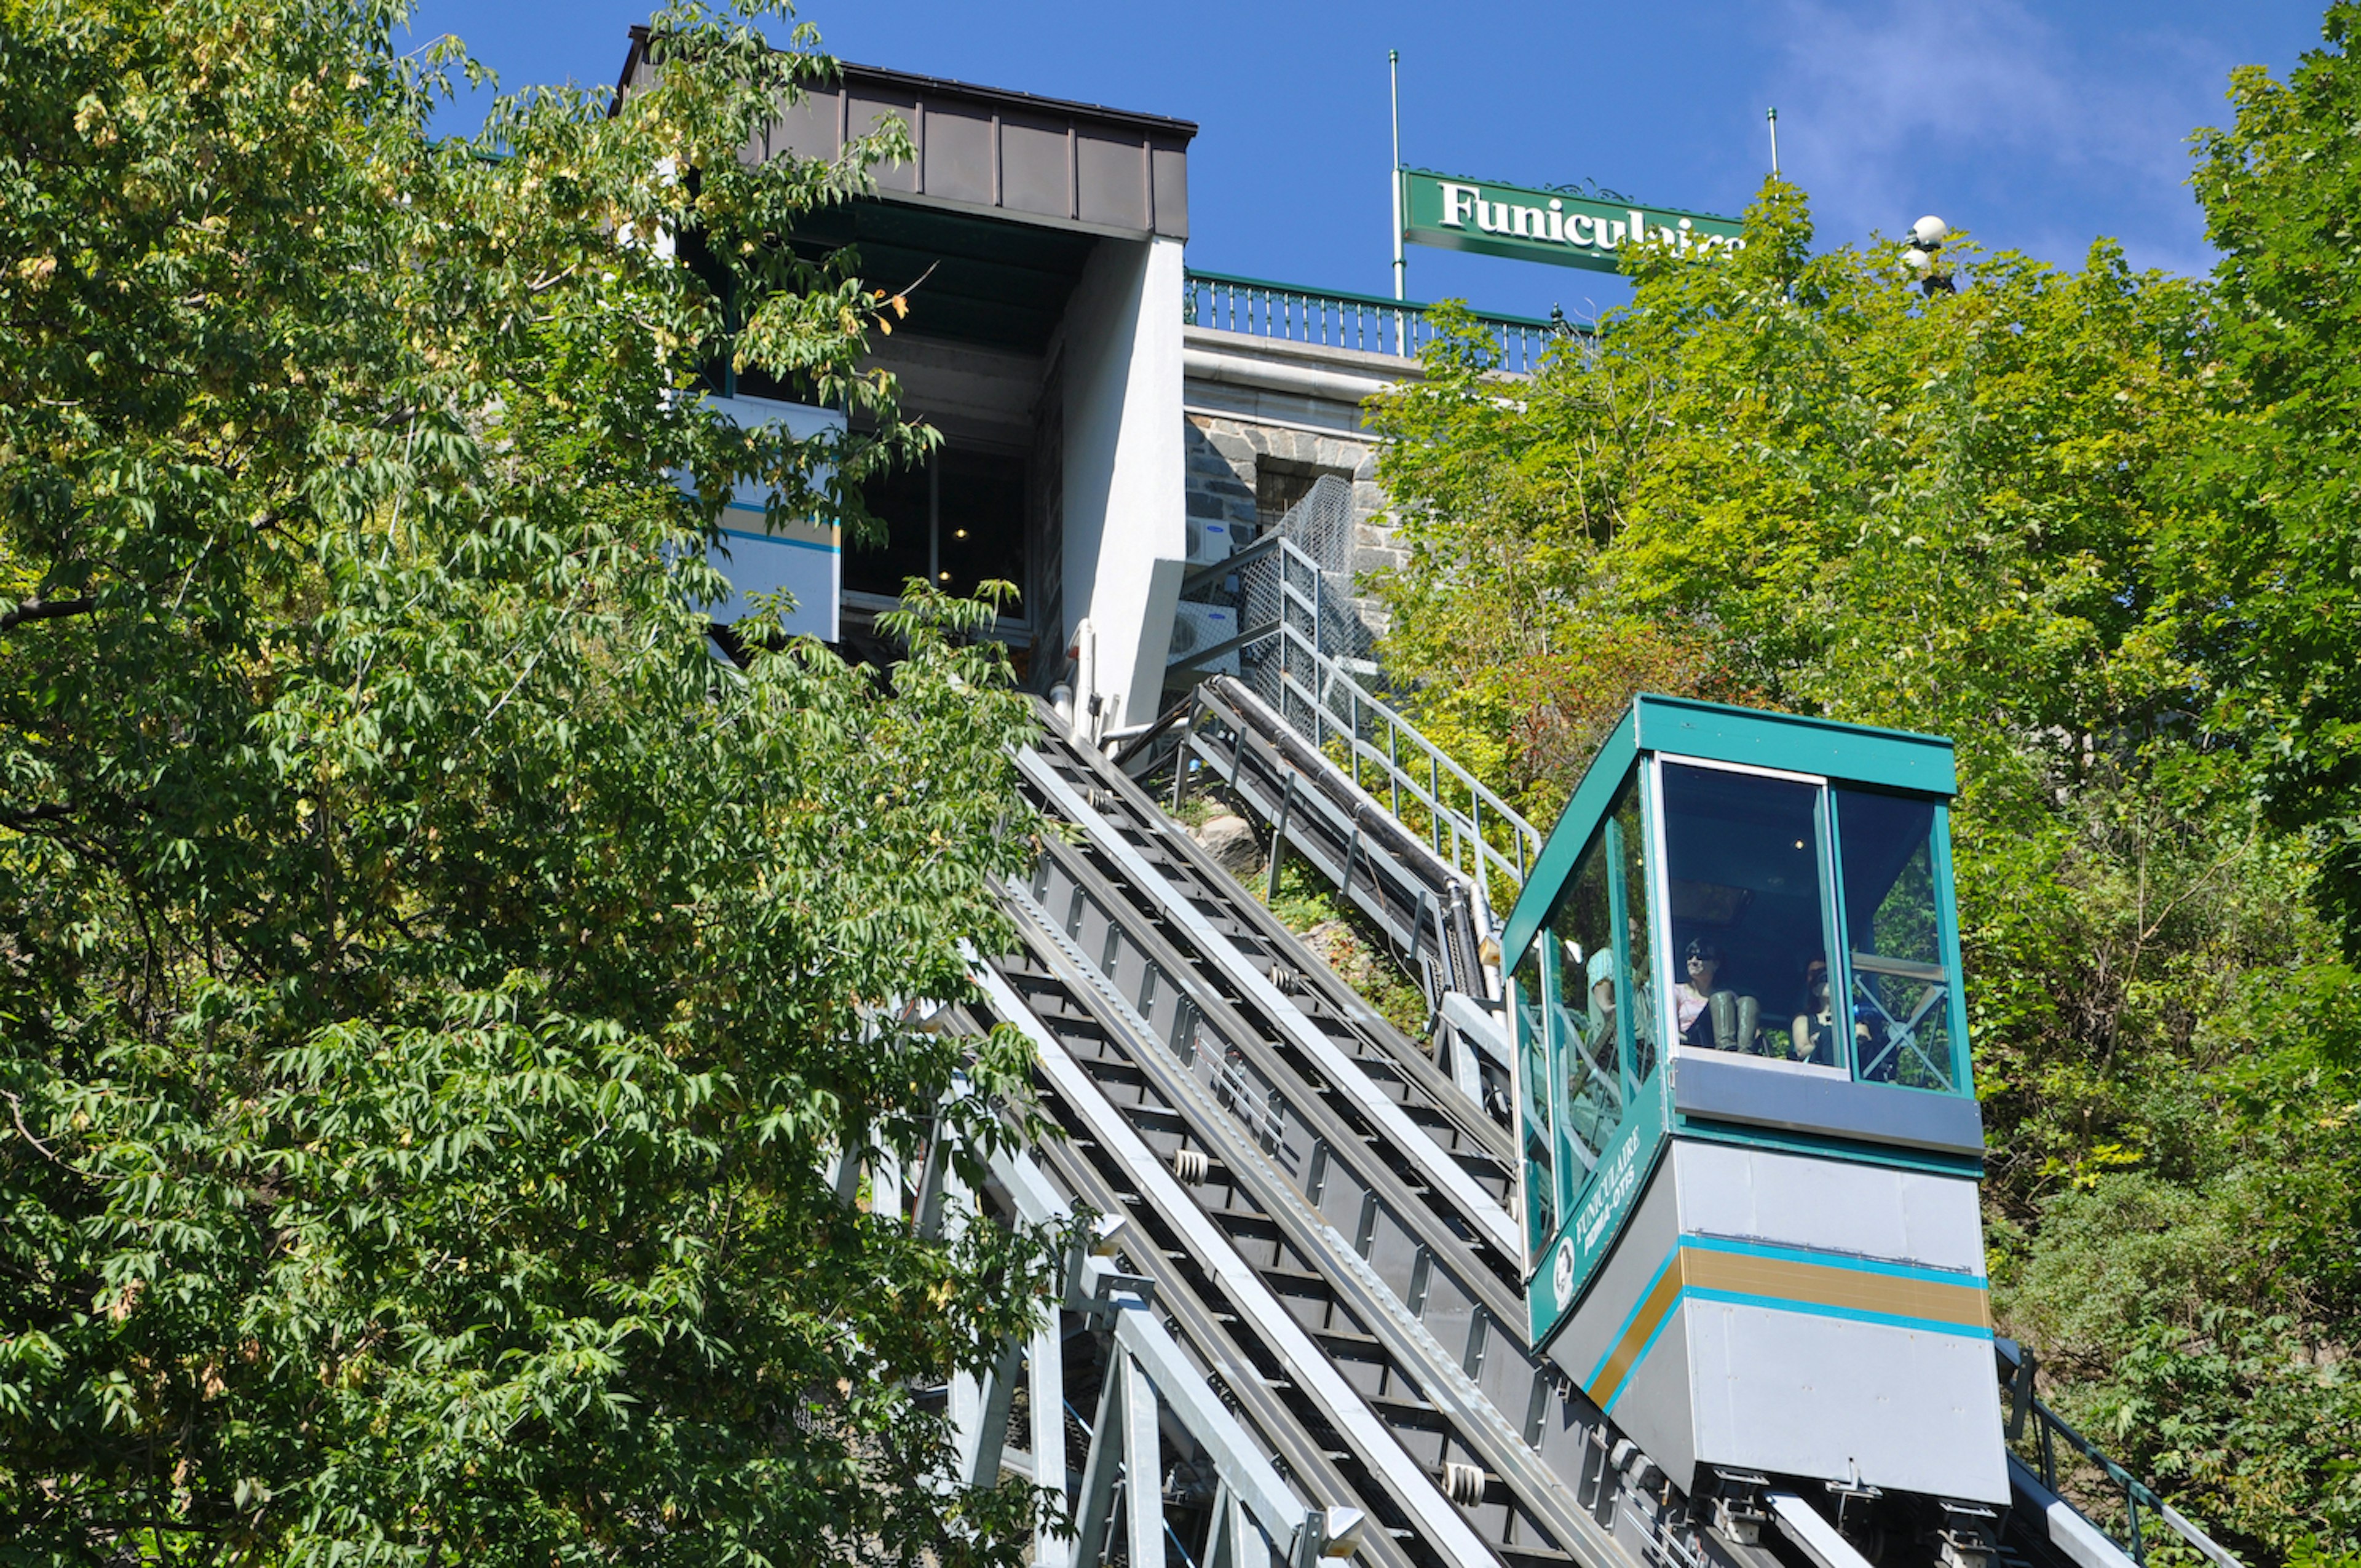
(1799, 1315)
(1798, 1394)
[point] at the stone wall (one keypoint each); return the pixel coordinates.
(1233, 459)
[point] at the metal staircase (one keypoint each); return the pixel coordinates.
(1344, 782)
(1294, 1333)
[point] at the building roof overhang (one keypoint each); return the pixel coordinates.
(989, 151)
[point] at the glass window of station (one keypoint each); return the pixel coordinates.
(954, 520)
(1799, 922)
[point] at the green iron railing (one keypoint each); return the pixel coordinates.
(1370, 322)
(2037, 1433)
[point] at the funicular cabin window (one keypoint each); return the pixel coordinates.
(1750, 916)
(1533, 1091)
(1633, 967)
(1596, 1008)
(1901, 992)
(1585, 1032)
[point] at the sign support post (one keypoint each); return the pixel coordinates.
(1393, 76)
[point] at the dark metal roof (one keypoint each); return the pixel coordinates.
(1025, 103)
(989, 151)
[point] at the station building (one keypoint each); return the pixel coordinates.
(1114, 422)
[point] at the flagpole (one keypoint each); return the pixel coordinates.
(1394, 74)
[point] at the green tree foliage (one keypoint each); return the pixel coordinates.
(433, 986)
(2281, 569)
(2097, 526)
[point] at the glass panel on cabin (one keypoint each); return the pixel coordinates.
(1585, 1040)
(1631, 851)
(1534, 1119)
(1901, 988)
(1749, 914)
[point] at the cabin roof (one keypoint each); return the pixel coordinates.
(1790, 742)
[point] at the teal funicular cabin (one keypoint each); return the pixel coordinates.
(1750, 1137)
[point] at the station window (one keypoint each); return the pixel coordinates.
(1902, 990)
(954, 521)
(1750, 916)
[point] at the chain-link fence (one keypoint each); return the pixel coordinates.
(1322, 608)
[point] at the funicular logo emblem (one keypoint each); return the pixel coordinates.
(1561, 1273)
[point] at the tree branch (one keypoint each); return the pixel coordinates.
(45, 609)
(17, 1113)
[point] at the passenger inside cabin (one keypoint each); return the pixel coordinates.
(1602, 1006)
(1708, 1016)
(1593, 1090)
(1813, 1035)
(1694, 993)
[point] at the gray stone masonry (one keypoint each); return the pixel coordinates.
(1215, 489)
(1226, 455)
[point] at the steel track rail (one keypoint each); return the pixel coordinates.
(1464, 1151)
(1273, 1098)
(1431, 1255)
(1237, 1366)
(1246, 1372)
(1386, 1053)
(1410, 1411)
(1137, 1185)
(1197, 1392)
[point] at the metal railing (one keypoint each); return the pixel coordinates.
(2143, 1510)
(1370, 322)
(1468, 826)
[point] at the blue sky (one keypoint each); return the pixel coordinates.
(2036, 126)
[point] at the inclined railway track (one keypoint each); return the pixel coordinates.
(1325, 1212)
(1321, 1218)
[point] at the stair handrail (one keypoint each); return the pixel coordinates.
(2018, 1365)
(1463, 815)
(1333, 683)
(2138, 1495)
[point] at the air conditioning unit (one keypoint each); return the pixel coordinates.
(1209, 541)
(1202, 626)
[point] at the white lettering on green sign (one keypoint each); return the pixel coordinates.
(1551, 226)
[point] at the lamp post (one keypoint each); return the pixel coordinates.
(1927, 236)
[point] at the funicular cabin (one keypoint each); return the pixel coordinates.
(1751, 1140)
